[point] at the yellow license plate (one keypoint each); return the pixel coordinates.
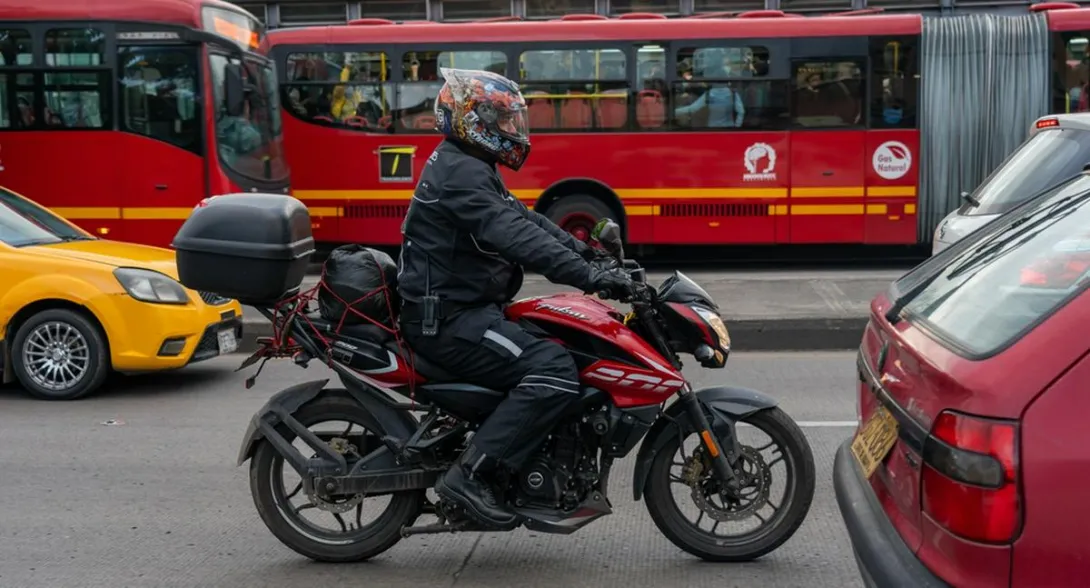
(875, 440)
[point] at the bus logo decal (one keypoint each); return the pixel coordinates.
(395, 163)
(892, 160)
(760, 160)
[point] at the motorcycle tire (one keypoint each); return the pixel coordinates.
(680, 531)
(382, 534)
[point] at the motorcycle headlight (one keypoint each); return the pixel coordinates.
(149, 286)
(716, 323)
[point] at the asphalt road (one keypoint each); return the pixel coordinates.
(155, 499)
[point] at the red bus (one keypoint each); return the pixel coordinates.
(121, 115)
(759, 128)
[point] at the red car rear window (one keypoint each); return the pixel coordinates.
(992, 293)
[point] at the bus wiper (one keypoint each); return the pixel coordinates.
(989, 248)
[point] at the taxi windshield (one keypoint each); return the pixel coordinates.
(1045, 159)
(23, 223)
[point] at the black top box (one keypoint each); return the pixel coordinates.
(251, 247)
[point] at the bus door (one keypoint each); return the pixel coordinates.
(828, 142)
(892, 159)
(163, 146)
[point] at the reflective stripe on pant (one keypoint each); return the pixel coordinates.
(539, 376)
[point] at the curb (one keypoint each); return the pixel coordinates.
(803, 334)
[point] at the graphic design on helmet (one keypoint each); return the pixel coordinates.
(487, 111)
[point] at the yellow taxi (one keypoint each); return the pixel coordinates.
(74, 307)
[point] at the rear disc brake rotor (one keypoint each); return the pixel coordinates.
(342, 504)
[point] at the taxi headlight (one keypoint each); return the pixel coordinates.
(150, 286)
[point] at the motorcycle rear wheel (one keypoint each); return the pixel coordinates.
(798, 496)
(380, 535)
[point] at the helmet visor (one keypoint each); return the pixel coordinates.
(514, 123)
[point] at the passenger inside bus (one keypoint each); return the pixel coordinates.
(723, 102)
(832, 103)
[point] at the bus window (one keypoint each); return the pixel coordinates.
(158, 94)
(1070, 73)
(75, 99)
(720, 87)
(15, 47)
(893, 80)
(581, 89)
(17, 108)
(343, 88)
(75, 47)
(414, 111)
(827, 93)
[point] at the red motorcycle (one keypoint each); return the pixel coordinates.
(403, 421)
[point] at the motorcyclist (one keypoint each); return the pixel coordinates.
(465, 242)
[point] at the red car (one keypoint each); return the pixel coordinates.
(971, 464)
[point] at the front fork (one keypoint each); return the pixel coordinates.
(721, 459)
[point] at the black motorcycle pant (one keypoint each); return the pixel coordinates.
(485, 349)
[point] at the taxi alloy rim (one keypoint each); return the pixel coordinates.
(56, 356)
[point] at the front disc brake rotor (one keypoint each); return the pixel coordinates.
(754, 484)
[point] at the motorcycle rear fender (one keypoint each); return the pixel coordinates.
(726, 405)
(281, 407)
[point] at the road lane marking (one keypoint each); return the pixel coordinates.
(827, 424)
(821, 424)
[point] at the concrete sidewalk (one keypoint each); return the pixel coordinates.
(764, 310)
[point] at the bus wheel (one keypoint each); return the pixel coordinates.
(578, 213)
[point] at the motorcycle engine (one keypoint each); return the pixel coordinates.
(540, 482)
(562, 473)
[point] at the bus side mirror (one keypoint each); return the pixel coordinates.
(234, 89)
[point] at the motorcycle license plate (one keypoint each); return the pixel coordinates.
(875, 440)
(228, 343)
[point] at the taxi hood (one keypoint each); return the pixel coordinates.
(113, 254)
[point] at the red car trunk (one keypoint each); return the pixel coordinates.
(920, 379)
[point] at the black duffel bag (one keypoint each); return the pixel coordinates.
(358, 282)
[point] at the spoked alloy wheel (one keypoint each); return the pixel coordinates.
(697, 514)
(59, 354)
(340, 529)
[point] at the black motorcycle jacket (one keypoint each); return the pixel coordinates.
(465, 236)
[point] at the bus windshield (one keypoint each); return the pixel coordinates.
(250, 144)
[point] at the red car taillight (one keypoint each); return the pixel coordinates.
(970, 477)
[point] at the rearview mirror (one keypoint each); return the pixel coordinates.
(608, 233)
(234, 89)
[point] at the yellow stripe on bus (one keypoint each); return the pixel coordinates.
(887, 191)
(830, 192)
(827, 209)
(648, 193)
(179, 213)
(85, 212)
(623, 193)
(156, 213)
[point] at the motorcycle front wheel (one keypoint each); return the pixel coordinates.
(681, 475)
(322, 529)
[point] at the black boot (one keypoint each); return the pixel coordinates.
(463, 486)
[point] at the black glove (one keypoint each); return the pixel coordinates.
(613, 283)
(604, 264)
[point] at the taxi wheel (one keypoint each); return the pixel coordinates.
(59, 355)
